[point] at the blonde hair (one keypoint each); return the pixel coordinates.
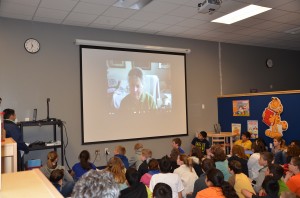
(120, 150)
(137, 146)
(188, 161)
(116, 167)
(147, 153)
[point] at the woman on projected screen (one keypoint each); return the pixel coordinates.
(137, 100)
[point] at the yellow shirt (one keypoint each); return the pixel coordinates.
(246, 145)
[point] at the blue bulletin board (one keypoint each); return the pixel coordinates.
(290, 101)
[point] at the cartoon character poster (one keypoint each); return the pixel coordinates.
(240, 108)
(252, 128)
(271, 117)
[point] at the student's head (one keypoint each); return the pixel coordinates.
(202, 135)
(153, 164)
(174, 154)
(295, 142)
(116, 167)
(275, 170)
(270, 185)
(258, 146)
(207, 164)
(165, 165)
(133, 177)
(235, 166)
(84, 158)
(279, 142)
(214, 177)
(146, 154)
(176, 142)
(196, 151)
(239, 151)
(135, 80)
(94, 184)
(266, 158)
(52, 159)
(9, 114)
(184, 159)
(293, 150)
(246, 136)
(218, 152)
(56, 175)
(138, 146)
(294, 165)
(162, 190)
(120, 150)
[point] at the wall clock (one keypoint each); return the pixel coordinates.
(32, 45)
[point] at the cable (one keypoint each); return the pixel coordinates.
(65, 144)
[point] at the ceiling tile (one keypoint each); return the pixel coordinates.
(50, 13)
(108, 21)
(80, 17)
(230, 6)
(24, 2)
(184, 11)
(132, 24)
(273, 3)
(100, 2)
(169, 20)
(66, 5)
(89, 8)
(247, 31)
(175, 29)
(76, 23)
(48, 20)
(191, 23)
(154, 27)
(291, 18)
(160, 7)
(271, 14)
(145, 16)
(249, 22)
(17, 8)
(119, 12)
(229, 28)
(15, 16)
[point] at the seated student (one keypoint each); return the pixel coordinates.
(279, 150)
(120, 152)
(245, 142)
(165, 176)
(219, 156)
(258, 146)
(186, 173)
(46, 169)
(292, 177)
(117, 168)
(135, 187)
(270, 189)
(173, 157)
(201, 142)
(146, 157)
(197, 156)
(13, 131)
(95, 184)
(238, 179)
(217, 186)
(56, 178)
(265, 159)
(162, 190)
(176, 143)
(238, 153)
(153, 169)
(200, 184)
(137, 160)
(83, 165)
(276, 171)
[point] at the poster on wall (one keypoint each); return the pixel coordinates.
(240, 108)
(236, 130)
(252, 128)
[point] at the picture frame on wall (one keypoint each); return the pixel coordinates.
(240, 108)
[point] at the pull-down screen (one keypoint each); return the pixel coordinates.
(131, 94)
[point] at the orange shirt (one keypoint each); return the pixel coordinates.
(210, 192)
(294, 184)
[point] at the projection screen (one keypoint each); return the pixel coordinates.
(131, 94)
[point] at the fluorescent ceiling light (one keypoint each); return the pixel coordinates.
(132, 4)
(241, 14)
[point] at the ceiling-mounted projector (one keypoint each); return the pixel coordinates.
(209, 6)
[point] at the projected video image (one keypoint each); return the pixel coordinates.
(139, 87)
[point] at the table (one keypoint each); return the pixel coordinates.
(31, 184)
(8, 156)
(222, 137)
